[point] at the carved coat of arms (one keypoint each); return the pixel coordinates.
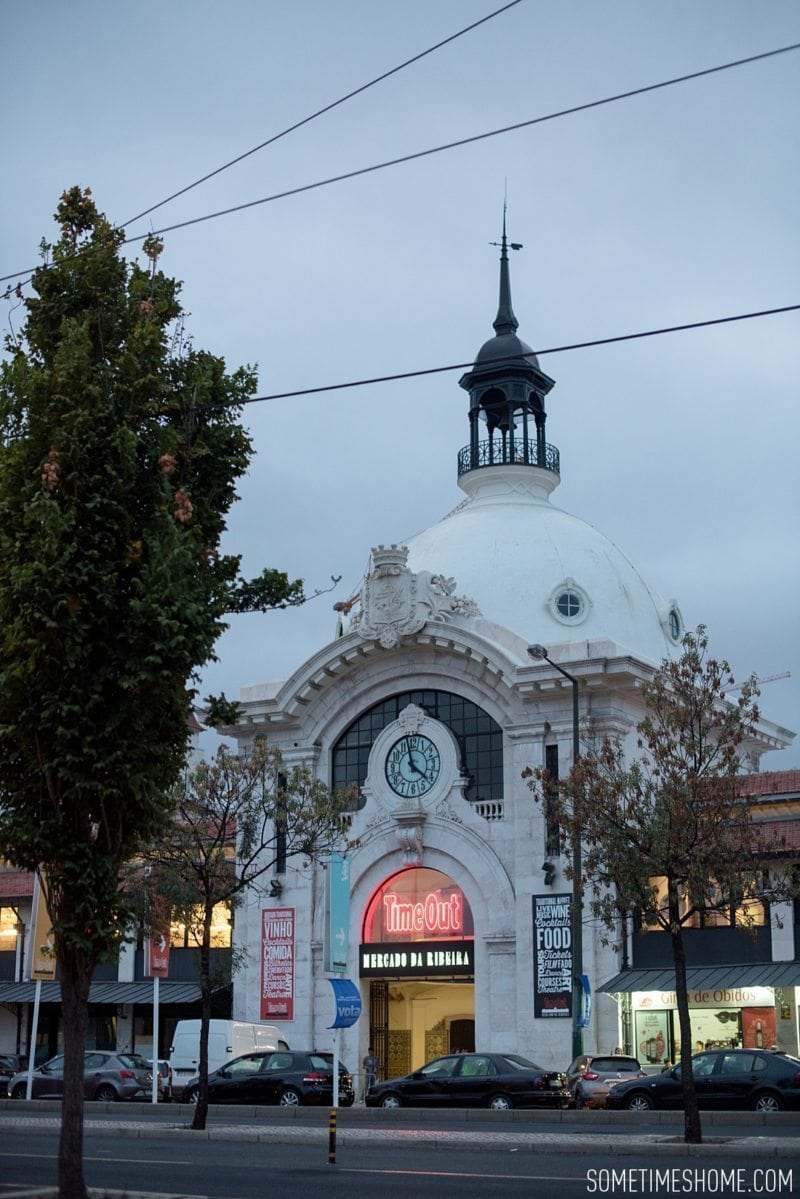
(395, 602)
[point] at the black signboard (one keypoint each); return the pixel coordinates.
(417, 959)
(552, 955)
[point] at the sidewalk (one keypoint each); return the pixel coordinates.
(535, 1139)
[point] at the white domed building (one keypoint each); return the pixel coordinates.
(430, 701)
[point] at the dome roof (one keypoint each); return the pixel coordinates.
(543, 574)
(503, 347)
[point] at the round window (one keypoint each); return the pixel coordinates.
(569, 604)
(674, 624)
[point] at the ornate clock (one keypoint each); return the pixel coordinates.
(412, 765)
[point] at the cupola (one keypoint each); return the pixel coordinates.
(506, 392)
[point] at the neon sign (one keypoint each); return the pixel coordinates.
(433, 914)
(418, 904)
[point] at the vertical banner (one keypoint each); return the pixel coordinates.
(585, 990)
(156, 956)
(277, 964)
(337, 914)
(42, 944)
(552, 956)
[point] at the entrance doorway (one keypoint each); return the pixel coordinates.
(415, 1020)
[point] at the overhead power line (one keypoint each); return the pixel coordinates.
(465, 141)
(320, 112)
(562, 349)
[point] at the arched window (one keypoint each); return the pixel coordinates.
(480, 740)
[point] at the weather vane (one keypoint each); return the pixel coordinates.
(515, 245)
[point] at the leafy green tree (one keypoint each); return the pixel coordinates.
(669, 835)
(237, 818)
(120, 450)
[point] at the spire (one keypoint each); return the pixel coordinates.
(505, 321)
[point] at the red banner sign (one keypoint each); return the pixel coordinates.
(156, 956)
(277, 964)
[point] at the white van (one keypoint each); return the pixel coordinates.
(226, 1039)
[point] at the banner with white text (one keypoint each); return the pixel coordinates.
(277, 964)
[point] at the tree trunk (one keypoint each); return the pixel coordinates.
(201, 1110)
(692, 1129)
(75, 974)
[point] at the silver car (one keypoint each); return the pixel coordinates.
(107, 1077)
(590, 1077)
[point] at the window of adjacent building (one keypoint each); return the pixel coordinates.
(8, 928)
(479, 737)
(189, 935)
(742, 911)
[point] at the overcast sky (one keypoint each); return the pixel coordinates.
(679, 205)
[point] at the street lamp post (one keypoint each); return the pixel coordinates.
(540, 654)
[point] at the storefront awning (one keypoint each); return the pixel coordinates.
(707, 978)
(109, 992)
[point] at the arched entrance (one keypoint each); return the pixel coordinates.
(417, 958)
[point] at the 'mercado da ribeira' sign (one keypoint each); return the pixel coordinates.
(418, 959)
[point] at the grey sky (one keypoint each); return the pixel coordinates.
(676, 206)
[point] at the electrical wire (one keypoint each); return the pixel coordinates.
(458, 366)
(465, 141)
(320, 112)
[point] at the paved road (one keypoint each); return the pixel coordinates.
(201, 1168)
(248, 1152)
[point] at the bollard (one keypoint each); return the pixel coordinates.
(332, 1138)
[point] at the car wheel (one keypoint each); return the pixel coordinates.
(766, 1102)
(105, 1094)
(639, 1102)
(500, 1103)
(191, 1096)
(290, 1098)
(19, 1091)
(391, 1101)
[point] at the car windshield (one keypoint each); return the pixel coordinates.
(519, 1063)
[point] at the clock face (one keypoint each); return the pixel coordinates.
(412, 765)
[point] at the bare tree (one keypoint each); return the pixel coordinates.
(669, 835)
(236, 819)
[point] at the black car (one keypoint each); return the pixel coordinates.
(499, 1081)
(759, 1079)
(10, 1064)
(288, 1078)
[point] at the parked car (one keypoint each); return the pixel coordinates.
(499, 1081)
(10, 1064)
(286, 1077)
(165, 1074)
(107, 1077)
(591, 1077)
(758, 1079)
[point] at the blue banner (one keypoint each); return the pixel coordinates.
(347, 998)
(586, 1000)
